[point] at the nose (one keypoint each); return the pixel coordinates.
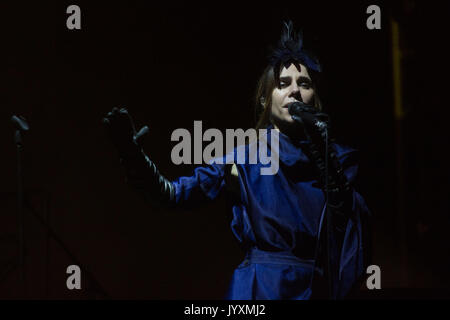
(295, 92)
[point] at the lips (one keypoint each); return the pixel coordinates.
(287, 104)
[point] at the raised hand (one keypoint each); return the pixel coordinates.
(122, 131)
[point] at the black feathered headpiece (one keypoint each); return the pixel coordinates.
(290, 50)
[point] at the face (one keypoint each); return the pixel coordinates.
(294, 86)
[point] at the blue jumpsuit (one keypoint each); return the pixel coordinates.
(276, 219)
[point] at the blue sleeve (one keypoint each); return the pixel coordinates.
(205, 184)
(354, 247)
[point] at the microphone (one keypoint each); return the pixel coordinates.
(302, 112)
(20, 123)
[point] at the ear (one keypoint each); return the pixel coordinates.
(262, 101)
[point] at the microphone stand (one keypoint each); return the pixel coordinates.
(21, 126)
(328, 220)
(328, 226)
(326, 214)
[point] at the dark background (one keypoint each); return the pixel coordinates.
(173, 63)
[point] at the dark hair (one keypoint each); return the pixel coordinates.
(266, 84)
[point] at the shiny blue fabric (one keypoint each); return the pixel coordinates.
(276, 219)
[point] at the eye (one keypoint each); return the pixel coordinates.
(305, 85)
(283, 84)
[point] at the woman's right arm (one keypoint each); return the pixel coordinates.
(143, 175)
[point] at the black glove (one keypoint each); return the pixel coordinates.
(321, 150)
(142, 173)
(308, 116)
(122, 132)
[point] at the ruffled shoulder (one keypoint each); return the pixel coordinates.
(348, 157)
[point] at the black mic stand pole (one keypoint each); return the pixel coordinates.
(21, 126)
